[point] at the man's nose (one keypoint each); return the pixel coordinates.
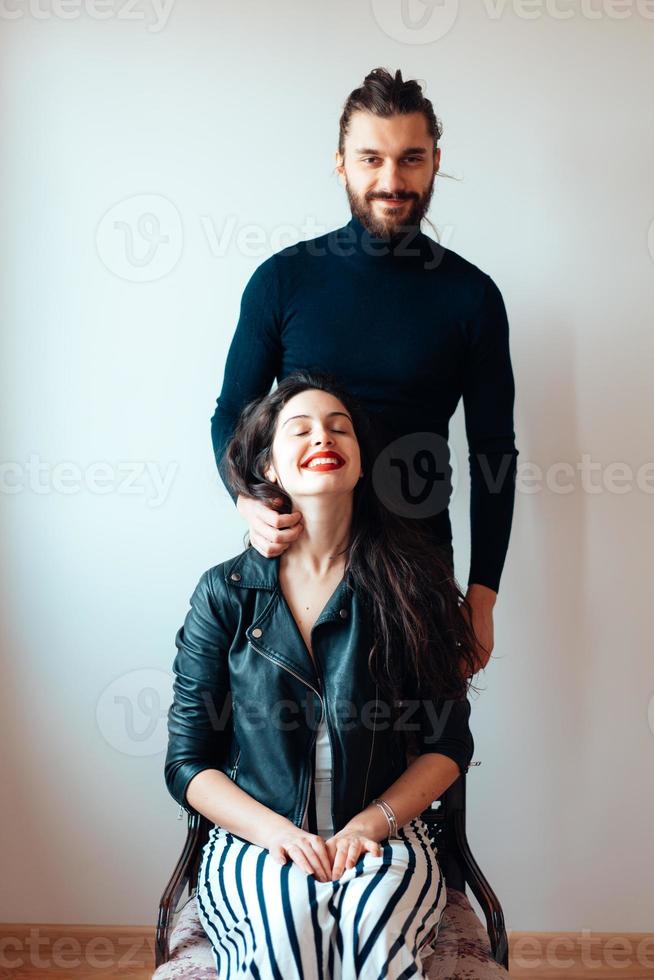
(390, 179)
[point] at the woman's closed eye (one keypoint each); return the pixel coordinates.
(339, 431)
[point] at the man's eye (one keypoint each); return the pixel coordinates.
(414, 159)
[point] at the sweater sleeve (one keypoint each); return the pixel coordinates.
(253, 360)
(445, 729)
(488, 397)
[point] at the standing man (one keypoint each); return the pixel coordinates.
(406, 325)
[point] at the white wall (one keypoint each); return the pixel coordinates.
(227, 115)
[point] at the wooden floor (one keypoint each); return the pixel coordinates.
(80, 952)
(28, 952)
(578, 956)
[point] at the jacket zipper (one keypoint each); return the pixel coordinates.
(232, 774)
(372, 749)
(295, 674)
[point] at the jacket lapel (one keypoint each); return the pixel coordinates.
(274, 630)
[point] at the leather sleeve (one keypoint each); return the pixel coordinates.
(444, 728)
(199, 718)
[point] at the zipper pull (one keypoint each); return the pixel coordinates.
(181, 810)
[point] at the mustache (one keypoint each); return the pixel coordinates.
(393, 197)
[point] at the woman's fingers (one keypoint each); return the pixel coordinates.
(307, 859)
(344, 852)
(278, 853)
(339, 863)
(348, 854)
(353, 854)
(312, 854)
(320, 848)
(297, 855)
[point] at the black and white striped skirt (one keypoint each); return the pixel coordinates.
(276, 922)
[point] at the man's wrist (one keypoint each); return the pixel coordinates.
(481, 594)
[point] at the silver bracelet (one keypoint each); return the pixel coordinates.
(391, 815)
(388, 819)
(387, 810)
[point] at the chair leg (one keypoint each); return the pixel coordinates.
(182, 876)
(483, 892)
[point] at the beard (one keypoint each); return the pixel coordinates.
(392, 226)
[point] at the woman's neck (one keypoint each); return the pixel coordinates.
(326, 533)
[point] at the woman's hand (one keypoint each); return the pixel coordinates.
(271, 533)
(346, 847)
(309, 851)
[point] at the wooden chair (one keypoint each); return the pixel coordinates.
(446, 820)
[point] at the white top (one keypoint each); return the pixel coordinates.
(323, 783)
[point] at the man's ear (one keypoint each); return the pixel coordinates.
(338, 166)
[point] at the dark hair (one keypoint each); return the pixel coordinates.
(419, 632)
(386, 95)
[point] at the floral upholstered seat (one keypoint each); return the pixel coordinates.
(462, 950)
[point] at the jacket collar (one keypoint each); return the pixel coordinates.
(252, 570)
(277, 632)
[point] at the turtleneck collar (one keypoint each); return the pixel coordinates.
(407, 246)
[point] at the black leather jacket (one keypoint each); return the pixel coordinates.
(248, 698)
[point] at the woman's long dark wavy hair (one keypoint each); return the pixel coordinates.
(403, 577)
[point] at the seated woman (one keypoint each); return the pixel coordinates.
(320, 705)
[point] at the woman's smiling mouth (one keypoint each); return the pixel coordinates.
(324, 461)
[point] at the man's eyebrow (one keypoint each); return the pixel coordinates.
(408, 149)
(329, 415)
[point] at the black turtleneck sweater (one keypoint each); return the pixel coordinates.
(408, 327)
